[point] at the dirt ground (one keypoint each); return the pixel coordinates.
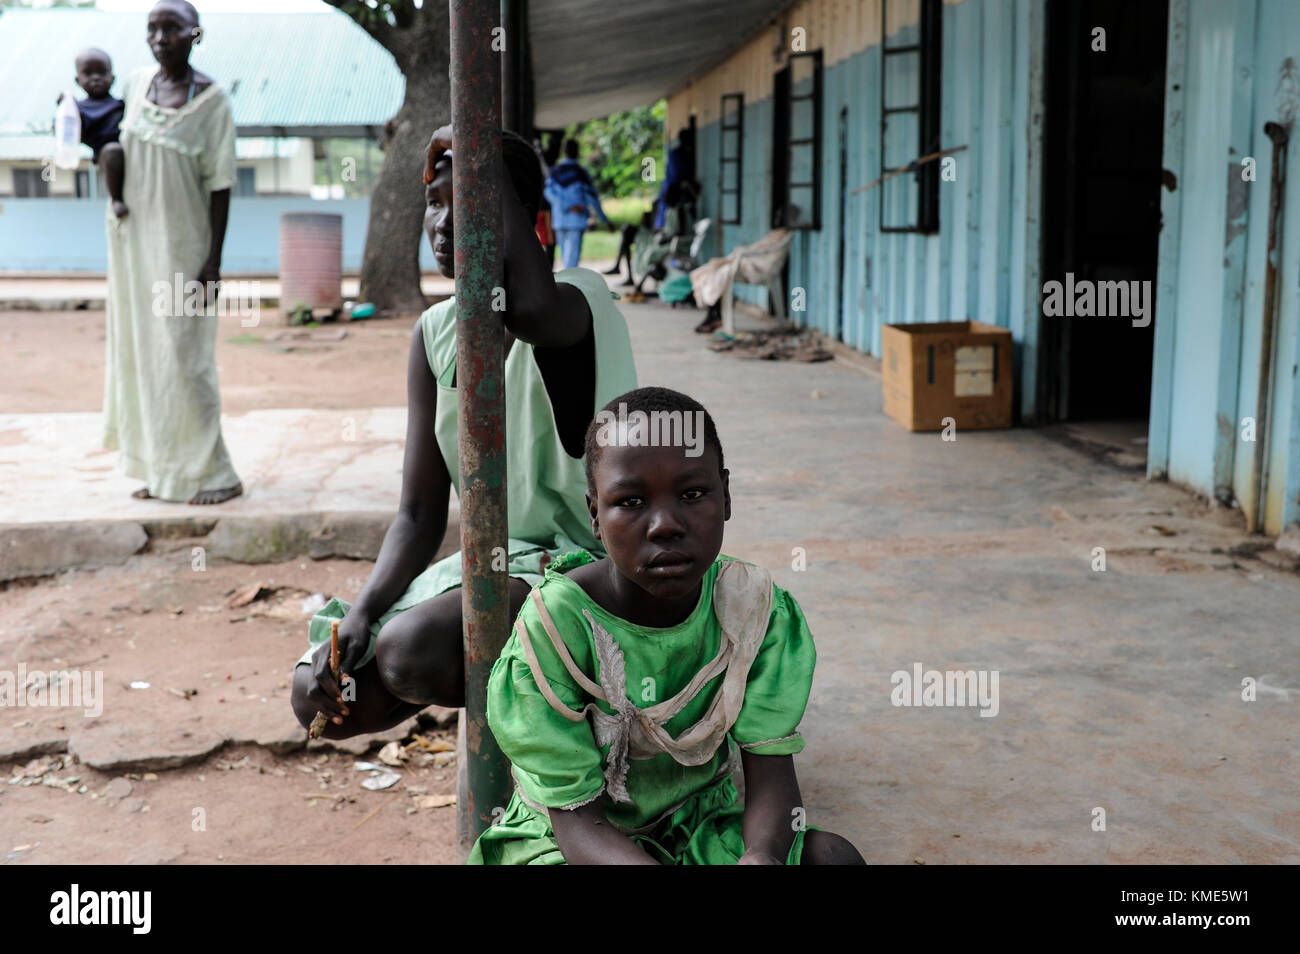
(59, 363)
(241, 773)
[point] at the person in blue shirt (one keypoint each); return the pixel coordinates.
(572, 196)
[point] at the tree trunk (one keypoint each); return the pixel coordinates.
(419, 40)
(390, 267)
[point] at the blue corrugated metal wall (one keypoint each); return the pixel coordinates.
(1232, 67)
(984, 261)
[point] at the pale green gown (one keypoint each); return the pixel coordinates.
(545, 487)
(162, 410)
(678, 813)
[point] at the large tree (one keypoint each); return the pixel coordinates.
(418, 38)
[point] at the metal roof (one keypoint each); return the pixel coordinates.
(594, 57)
(320, 75)
(288, 74)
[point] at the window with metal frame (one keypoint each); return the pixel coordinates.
(911, 54)
(245, 181)
(30, 184)
(798, 128)
(731, 155)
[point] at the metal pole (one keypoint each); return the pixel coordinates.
(1277, 182)
(480, 359)
(510, 65)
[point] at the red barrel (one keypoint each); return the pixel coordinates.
(311, 261)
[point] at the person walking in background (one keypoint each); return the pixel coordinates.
(679, 167)
(572, 196)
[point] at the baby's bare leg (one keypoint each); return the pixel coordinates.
(113, 161)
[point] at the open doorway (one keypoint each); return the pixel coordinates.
(1101, 210)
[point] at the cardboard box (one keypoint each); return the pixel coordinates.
(957, 369)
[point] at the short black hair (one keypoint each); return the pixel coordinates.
(94, 51)
(571, 148)
(522, 164)
(187, 8)
(647, 400)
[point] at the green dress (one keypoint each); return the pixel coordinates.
(545, 487)
(679, 813)
(162, 408)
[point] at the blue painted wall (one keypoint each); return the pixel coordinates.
(983, 263)
(67, 235)
(1232, 67)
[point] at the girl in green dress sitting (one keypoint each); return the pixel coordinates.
(631, 683)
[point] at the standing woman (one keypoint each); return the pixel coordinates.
(162, 410)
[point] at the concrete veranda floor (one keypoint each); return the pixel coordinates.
(1119, 689)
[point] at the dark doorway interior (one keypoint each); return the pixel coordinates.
(1101, 200)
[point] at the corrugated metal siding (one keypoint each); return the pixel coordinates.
(983, 263)
(1237, 68)
(280, 69)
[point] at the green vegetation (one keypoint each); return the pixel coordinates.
(614, 150)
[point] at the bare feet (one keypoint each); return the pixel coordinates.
(120, 209)
(217, 496)
(142, 494)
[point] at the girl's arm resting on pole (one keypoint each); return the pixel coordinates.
(586, 837)
(539, 310)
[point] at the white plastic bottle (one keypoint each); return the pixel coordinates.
(67, 133)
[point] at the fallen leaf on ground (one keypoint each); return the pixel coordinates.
(435, 801)
(393, 754)
(247, 594)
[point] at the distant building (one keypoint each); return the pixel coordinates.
(308, 90)
(263, 166)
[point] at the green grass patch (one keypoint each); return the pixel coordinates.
(601, 246)
(626, 211)
(243, 339)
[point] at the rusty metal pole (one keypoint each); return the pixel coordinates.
(510, 61)
(1279, 135)
(480, 360)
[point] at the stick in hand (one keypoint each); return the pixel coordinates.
(320, 720)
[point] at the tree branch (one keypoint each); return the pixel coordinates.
(369, 19)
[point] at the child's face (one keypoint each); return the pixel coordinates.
(94, 75)
(660, 515)
(438, 221)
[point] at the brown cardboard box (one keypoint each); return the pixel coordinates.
(957, 369)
